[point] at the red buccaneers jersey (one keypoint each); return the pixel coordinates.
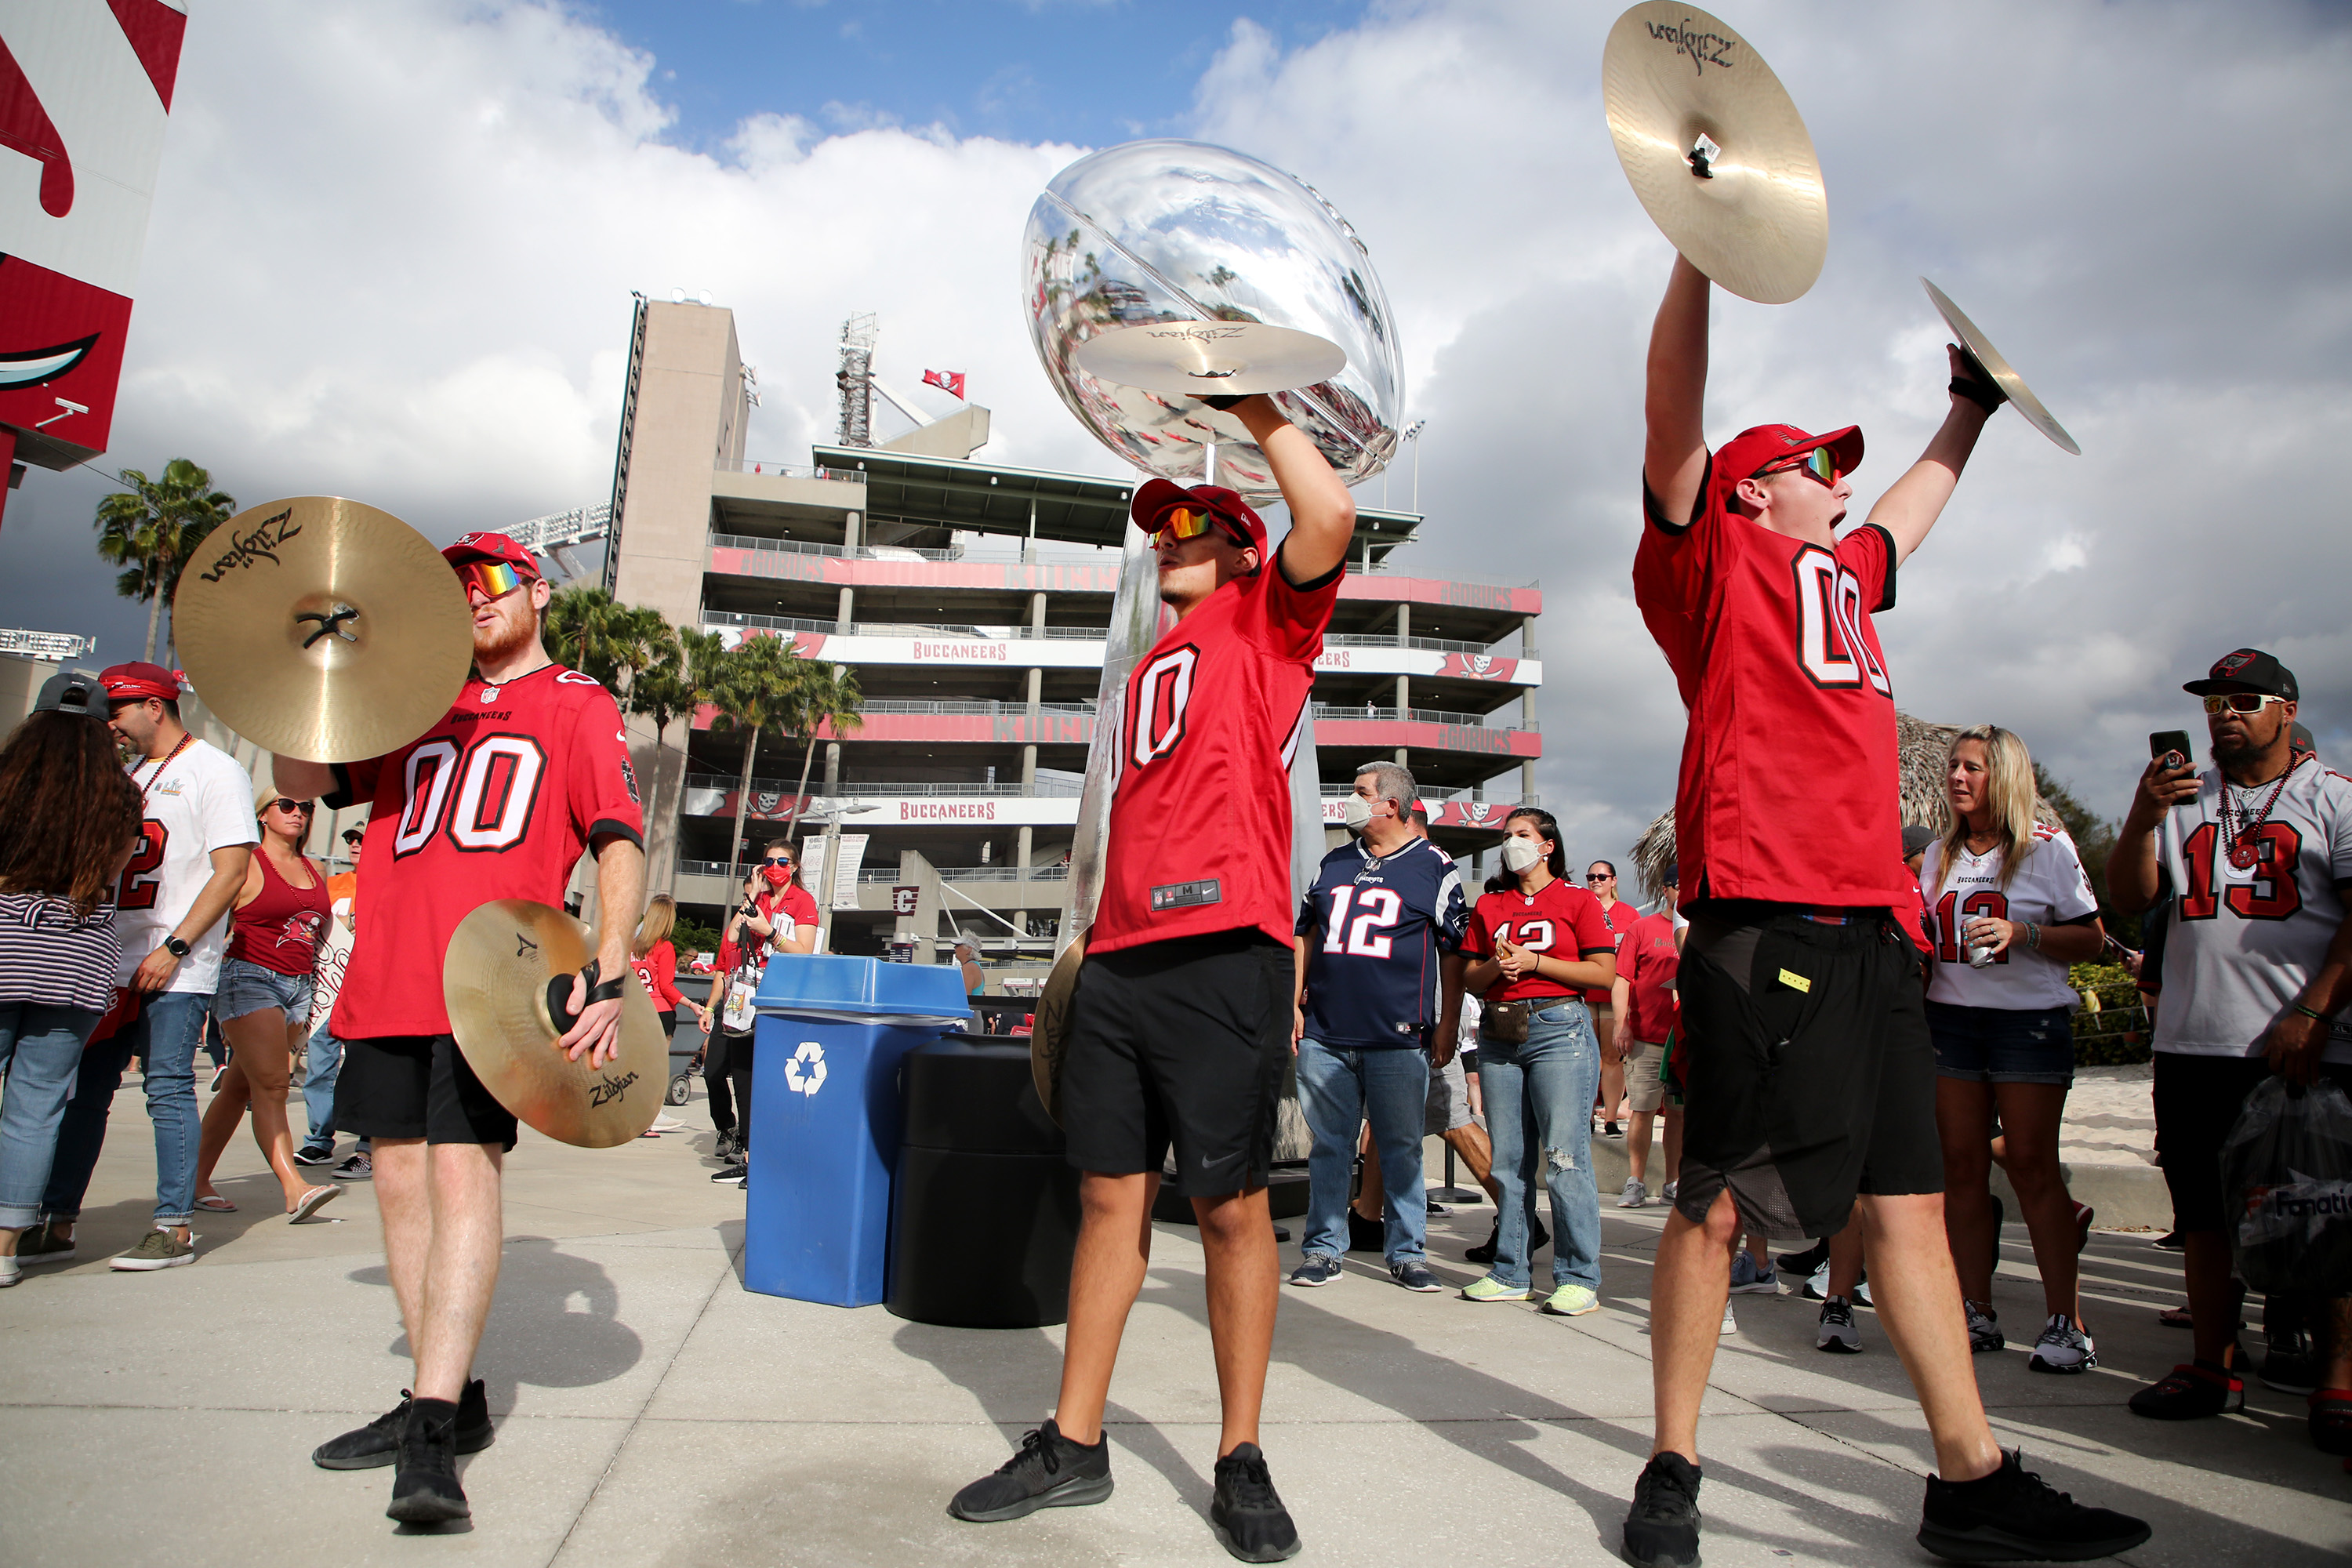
(1200, 808)
(1558, 921)
(496, 801)
(1788, 785)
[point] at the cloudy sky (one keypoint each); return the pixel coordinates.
(392, 249)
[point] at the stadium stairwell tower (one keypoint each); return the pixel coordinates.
(972, 599)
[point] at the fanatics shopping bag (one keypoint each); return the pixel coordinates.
(2287, 1180)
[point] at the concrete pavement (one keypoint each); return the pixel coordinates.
(651, 1411)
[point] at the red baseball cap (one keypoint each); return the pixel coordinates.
(491, 547)
(1750, 451)
(137, 682)
(1157, 496)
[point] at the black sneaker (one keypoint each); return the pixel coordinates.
(2168, 1241)
(374, 1444)
(357, 1168)
(1484, 1251)
(1049, 1471)
(311, 1154)
(732, 1176)
(1802, 1264)
(1662, 1529)
(2190, 1390)
(2291, 1361)
(1249, 1518)
(1838, 1335)
(1414, 1275)
(2013, 1515)
(425, 1489)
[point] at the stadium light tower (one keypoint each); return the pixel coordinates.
(1413, 434)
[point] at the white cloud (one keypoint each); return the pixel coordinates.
(393, 249)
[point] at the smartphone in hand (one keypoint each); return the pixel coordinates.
(2169, 747)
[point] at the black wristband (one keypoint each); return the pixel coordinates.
(1222, 401)
(1984, 394)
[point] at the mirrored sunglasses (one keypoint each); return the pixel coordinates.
(1817, 465)
(1189, 522)
(2239, 702)
(495, 579)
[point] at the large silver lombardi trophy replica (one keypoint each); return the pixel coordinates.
(1158, 272)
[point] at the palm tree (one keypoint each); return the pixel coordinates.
(758, 689)
(152, 528)
(679, 677)
(587, 631)
(832, 698)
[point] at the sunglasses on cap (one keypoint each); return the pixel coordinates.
(495, 579)
(2239, 702)
(1818, 465)
(1190, 522)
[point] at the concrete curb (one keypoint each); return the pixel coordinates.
(2128, 1197)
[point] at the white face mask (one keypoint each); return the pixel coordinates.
(1355, 811)
(1519, 854)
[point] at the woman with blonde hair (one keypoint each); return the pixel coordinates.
(2009, 909)
(264, 1004)
(656, 961)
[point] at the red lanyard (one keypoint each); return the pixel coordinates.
(158, 770)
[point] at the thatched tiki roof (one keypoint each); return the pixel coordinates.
(1920, 750)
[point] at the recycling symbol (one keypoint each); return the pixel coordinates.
(805, 1071)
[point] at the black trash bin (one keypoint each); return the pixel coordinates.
(984, 1213)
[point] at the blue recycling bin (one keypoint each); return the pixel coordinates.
(826, 1118)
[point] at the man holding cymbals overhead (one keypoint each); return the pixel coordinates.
(496, 801)
(1180, 1029)
(1812, 1075)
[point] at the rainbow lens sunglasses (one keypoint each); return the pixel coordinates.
(2239, 702)
(495, 579)
(1817, 465)
(1191, 522)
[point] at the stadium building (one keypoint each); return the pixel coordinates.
(972, 600)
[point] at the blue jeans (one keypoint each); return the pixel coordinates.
(165, 1032)
(323, 1060)
(40, 1052)
(1339, 1089)
(1540, 1116)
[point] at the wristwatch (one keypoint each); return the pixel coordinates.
(175, 947)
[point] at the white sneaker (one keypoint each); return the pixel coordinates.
(10, 1271)
(1730, 1323)
(2064, 1347)
(667, 1124)
(1635, 1195)
(1666, 1194)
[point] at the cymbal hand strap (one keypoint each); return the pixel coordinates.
(1222, 401)
(1977, 384)
(559, 994)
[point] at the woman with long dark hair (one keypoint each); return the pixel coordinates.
(1536, 941)
(264, 1005)
(2010, 909)
(68, 822)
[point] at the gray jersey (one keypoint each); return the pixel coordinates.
(2244, 941)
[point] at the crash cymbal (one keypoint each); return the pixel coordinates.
(494, 979)
(1210, 359)
(1049, 1033)
(322, 628)
(1715, 150)
(2021, 396)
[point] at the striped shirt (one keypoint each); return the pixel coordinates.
(52, 957)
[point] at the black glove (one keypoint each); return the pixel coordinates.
(1977, 384)
(1221, 403)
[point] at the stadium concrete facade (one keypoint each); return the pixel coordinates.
(972, 599)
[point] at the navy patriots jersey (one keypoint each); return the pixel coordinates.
(1375, 928)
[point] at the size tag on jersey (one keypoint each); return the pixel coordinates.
(1183, 895)
(1794, 980)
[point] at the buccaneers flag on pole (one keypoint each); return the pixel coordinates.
(947, 381)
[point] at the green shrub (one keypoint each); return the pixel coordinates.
(2115, 1030)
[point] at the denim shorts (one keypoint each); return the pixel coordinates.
(247, 987)
(2003, 1045)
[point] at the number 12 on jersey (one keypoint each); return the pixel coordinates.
(1377, 910)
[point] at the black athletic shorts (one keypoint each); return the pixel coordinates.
(416, 1086)
(1809, 1073)
(2197, 1100)
(1185, 1040)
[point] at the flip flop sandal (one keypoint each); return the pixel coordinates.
(215, 1204)
(311, 1201)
